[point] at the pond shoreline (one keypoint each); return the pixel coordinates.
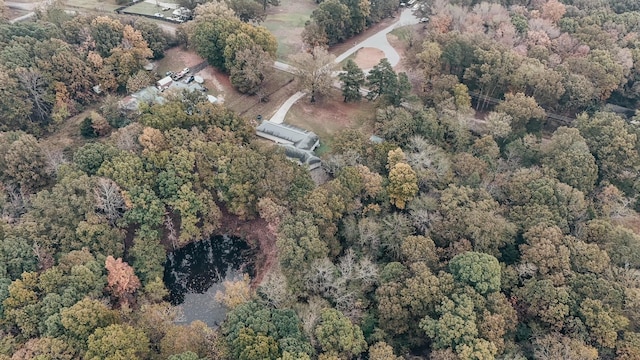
(258, 235)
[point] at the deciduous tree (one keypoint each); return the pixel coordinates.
(403, 184)
(250, 69)
(117, 342)
(480, 270)
(336, 334)
(122, 282)
(314, 70)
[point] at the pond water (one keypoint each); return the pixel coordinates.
(194, 273)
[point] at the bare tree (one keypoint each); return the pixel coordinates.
(126, 138)
(45, 260)
(314, 70)
(274, 288)
(322, 279)
(172, 235)
(54, 158)
(15, 204)
(109, 200)
(35, 84)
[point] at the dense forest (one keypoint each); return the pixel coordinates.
(517, 240)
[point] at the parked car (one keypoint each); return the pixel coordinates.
(158, 15)
(169, 73)
(166, 8)
(181, 74)
(188, 80)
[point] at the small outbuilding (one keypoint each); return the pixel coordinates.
(164, 83)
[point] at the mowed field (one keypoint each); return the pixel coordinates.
(146, 8)
(105, 5)
(330, 116)
(286, 22)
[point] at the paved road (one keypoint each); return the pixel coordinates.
(284, 67)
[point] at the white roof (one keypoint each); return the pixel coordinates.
(212, 99)
(165, 81)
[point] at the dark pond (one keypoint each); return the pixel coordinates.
(194, 273)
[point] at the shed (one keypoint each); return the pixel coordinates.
(212, 99)
(164, 83)
(198, 79)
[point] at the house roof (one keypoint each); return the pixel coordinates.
(287, 134)
(302, 156)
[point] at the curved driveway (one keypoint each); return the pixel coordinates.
(377, 40)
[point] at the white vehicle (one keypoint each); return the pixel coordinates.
(166, 8)
(424, 19)
(158, 15)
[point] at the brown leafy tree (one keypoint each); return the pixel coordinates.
(122, 282)
(314, 71)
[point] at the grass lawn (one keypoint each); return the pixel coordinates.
(107, 5)
(286, 22)
(148, 9)
(331, 116)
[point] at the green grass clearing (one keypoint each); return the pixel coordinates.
(148, 9)
(109, 5)
(286, 23)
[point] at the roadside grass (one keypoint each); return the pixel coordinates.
(353, 56)
(286, 23)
